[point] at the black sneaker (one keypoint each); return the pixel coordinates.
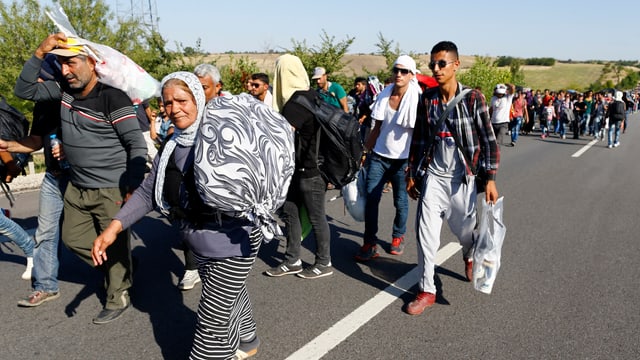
(284, 269)
(106, 315)
(316, 271)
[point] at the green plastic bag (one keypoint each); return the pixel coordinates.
(305, 223)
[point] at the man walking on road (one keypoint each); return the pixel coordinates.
(394, 113)
(448, 188)
(107, 154)
(46, 121)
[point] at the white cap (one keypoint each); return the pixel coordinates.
(501, 89)
(318, 72)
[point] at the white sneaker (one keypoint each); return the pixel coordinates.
(26, 275)
(616, 144)
(189, 280)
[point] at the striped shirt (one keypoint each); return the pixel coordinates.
(469, 122)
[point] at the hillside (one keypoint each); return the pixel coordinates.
(560, 76)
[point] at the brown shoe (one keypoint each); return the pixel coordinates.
(422, 301)
(468, 268)
(38, 297)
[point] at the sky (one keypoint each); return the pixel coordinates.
(564, 30)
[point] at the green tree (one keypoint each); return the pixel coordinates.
(235, 74)
(484, 74)
(390, 52)
(517, 74)
(22, 28)
(24, 24)
(630, 81)
(330, 55)
(384, 48)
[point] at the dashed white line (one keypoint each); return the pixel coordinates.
(584, 148)
(341, 330)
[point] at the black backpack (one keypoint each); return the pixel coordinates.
(340, 146)
(617, 111)
(13, 126)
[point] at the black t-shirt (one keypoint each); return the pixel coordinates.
(141, 114)
(306, 134)
(46, 121)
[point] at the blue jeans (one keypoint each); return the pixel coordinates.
(380, 170)
(585, 124)
(45, 263)
(595, 125)
(560, 129)
(515, 130)
(16, 233)
(614, 127)
(309, 192)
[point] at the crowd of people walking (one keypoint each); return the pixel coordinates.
(427, 143)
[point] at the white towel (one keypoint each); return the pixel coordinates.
(406, 114)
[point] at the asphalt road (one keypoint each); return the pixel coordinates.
(567, 288)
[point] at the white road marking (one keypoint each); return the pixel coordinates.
(584, 148)
(341, 330)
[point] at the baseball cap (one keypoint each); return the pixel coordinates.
(74, 48)
(318, 72)
(501, 89)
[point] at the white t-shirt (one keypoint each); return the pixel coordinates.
(500, 108)
(394, 140)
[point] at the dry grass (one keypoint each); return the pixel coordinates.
(560, 76)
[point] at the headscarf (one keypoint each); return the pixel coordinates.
(408, 109)
(184, 137)
(290, 76)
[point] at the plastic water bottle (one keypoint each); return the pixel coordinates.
(64, 164)
(486, 276)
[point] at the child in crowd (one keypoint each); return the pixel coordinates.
(548, 114)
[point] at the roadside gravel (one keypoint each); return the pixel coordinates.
(26, 183)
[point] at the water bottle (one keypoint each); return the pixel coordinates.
(485, 276)
(64, 165)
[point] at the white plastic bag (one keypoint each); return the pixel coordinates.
(488, 246)
(355, 195)
(113, 68)
(244, 159)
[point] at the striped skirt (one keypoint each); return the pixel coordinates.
(224, 314)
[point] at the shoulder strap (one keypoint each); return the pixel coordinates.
(474, 171)
(445, 114)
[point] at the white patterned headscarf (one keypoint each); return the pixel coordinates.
(184, 137)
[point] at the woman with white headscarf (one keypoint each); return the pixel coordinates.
(225, 246)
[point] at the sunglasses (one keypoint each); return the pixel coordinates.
(255, 85)
(396, 70)
(441, 64)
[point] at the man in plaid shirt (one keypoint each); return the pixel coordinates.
(449, 184)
